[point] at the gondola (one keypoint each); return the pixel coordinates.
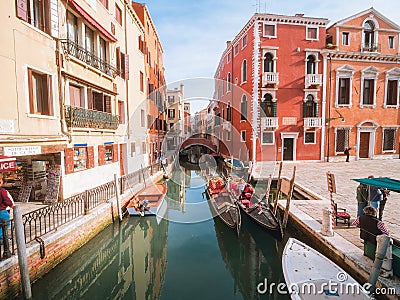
(255, 208)
(222, 203)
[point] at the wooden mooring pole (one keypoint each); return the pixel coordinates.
(278, 189)
(118, 197)
(288, 191)
(22, 256)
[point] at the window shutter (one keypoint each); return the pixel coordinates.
(304, 109)
(101, 155)
(90, 157)
(30, 85)
(69, 160)
(90, 98)
(274, 109)
(122, 65)
(315, 109)
(126, 67)
(50, 96)
(22, 10)
(54, 18)
(115, 153)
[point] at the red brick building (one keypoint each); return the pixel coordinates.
(269, 83)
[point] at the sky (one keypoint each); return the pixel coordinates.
(193, 33)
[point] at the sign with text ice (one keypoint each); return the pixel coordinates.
(22, 150)
(7, 164)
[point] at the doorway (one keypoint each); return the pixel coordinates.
(364, 144)
(288, 145)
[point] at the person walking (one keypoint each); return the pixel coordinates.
(347, 153)
(6, 202)
(374, 195)
(385, 194)
(362, 198)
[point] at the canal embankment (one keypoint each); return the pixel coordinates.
(345, 248)
(69, 237)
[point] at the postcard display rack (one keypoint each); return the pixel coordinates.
(53, 184)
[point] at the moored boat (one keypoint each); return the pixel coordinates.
(222, 204)
(148, 201)
(255, 208)
(236, 165)
(311, 275)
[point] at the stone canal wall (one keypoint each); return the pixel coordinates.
(60, 244)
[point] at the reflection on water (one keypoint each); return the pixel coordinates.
(140, 259)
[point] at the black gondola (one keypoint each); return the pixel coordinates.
(255, 208)
(222, 203)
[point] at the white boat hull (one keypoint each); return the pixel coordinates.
(311, 275)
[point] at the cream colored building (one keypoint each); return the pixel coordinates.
(175, 115)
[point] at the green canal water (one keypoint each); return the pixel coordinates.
(188, 255)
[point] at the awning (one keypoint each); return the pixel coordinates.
(91, 20)
(7, 163)
(381, 182)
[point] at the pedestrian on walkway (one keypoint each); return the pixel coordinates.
(374, 195)
(369, 225)
(6, 202)
(385, 194)
(347, 153)
(362, 198)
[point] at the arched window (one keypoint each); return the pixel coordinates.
(267, 106)
(369, 28)
(309, 107)
(243, 108)
(229, 82)
(244, 71)
(268, 63)
(229, 112)
(311, 64)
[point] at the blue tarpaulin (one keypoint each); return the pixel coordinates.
(381, 182)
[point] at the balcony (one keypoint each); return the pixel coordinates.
(270, 78)
(226, 126)
(269, 122)
(313, 80)
(370, 47)
(312, 122)
(73, 49)
(87, 118)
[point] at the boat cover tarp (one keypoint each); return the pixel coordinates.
(382, 182)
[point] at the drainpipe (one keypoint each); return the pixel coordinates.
(126, 81)
(323, 112)
(329, 107)
(61, 93)
(255, 91)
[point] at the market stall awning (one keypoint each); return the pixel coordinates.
(7, 163)
(381, 182)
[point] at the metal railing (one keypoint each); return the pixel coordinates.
(88, 57)
(371, 47)
(88, 118)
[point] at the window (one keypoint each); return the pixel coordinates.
(118, 14)
(243, 136)
(389, 137)
(108, 153)
(89, 40)
(171, 113)
(80, 158)
(100, 102)
(35, 12)
(268, 63)
(342, 139)
(105, 3)
(236, 49)
(391, 42)
(311, 65)
(369, 36)
(243, 108)
(133, 149)
(76, 96)
(267, 137)
(312, 33)
(228, 57)
(309, 137)
(244, 41)
(40, 93)
(392, 89)
(267, 106)
(228, 136)
(142, 118)
(244, 71)
(102, 49)
(368, 96)
(228, 84)
(345, 39)
(121, 112)
(269, 30)
(344, 91)
(72, 27)
(141, 81)
(171, 99)
(229, 112)
(144, 151)
(309, 107)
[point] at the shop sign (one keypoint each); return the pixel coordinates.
(7, 164)
(22, 150)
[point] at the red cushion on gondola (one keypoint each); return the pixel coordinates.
(343, 214)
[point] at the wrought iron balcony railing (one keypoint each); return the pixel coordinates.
(370, 47)
(88, 57)
(87, 118)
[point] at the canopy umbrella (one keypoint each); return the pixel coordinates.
(381, 182)
(7, 163)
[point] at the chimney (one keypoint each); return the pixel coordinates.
(299, 15)
(228, 44)
(182, 90)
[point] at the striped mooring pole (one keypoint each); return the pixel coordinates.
(332, 189)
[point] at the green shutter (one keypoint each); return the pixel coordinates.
(274, 108)
(316, 109)
(304, 109)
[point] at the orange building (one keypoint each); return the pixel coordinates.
(153, 82)
(362, 87)
(269, 87)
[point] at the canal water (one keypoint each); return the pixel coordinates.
(188, 255)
